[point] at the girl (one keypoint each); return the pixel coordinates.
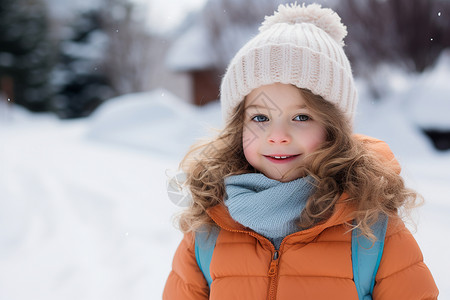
(286, 181)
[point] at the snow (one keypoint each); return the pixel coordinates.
(65, 9)
(204, 41)
(81, 219)
(93, 48)
(146, 120)
(433, 86)
(425, 97)
(83, 205)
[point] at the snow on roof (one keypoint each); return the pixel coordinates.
(211, 37)
(194, 49)
(191, 51)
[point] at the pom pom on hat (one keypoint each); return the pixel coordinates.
(324, 18)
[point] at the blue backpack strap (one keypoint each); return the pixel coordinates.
(366, 257)
(205, 242)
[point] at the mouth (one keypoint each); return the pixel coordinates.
(281, 158)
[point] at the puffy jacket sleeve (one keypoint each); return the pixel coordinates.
(185, 281)
(402, 273)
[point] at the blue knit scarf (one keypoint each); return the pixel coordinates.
(267, 206)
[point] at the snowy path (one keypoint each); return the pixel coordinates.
(81, 220)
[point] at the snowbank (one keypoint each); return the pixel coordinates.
(428, 97)
(410, 103)
(156, 121)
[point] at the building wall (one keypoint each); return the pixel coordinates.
(206, 86)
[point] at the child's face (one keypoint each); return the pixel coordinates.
(279, 131)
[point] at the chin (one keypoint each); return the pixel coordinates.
(285, 179)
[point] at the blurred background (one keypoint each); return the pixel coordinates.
(100, 99)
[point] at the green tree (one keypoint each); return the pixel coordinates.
(26, 54)
(79, 76)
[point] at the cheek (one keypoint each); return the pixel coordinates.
(318, 136)
(250, 145)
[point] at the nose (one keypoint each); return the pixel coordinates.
(278, 134)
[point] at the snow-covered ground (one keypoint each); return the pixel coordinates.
(83, 205)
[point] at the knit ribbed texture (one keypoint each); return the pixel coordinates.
(267, 206)
(298, 45)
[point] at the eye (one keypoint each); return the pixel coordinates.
(302, 118)
(260, 118)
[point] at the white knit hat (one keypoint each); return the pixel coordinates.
(298, 45)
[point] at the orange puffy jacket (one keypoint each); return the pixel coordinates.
(312, 264)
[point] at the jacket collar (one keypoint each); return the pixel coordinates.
(341, 215)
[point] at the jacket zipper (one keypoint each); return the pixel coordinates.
(273, 274)
(273, 269)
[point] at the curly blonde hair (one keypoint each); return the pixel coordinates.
(346, 164)
(206, 165)
(342, 164)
